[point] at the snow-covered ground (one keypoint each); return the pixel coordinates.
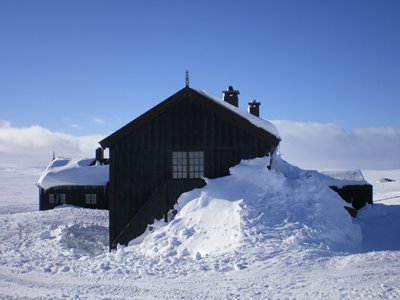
(18, 191)
(258, 233)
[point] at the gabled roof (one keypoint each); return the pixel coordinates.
(260, 126)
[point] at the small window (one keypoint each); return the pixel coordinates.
(51, 198)
(90, 198)
(179, 165)
(187, 164)
(62, 198)
(196, 164)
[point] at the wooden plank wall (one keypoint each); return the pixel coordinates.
(357, 195)
(75, 195)
(142, 160)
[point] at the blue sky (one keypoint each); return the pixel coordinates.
(89, 67)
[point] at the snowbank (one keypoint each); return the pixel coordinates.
(66, 171)
(255, 205)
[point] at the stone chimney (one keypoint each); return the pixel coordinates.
(231, 96)
(254, 108)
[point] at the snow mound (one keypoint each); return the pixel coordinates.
(79, 240)
(254, 205)
(55, 240)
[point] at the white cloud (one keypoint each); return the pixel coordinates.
(75, 126)
(97, 120)
(5, 124)
(322, 146)
(33, 146)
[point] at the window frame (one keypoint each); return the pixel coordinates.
(188, 164)
(90, 198)
(52, 198)
(57, 198)
(62, 198)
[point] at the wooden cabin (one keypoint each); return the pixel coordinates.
(170, 148)
(81, 183)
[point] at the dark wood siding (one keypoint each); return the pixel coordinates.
(140, 162)
(75, 195)
(357, 195)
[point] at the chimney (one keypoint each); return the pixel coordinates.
(254, 108)
(231, 96)
(100, 155)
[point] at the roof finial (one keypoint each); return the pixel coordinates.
(187, 79)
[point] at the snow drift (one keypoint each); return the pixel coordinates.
(251, 206)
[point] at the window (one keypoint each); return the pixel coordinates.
(196, 164)
(187, 164)
(90, 198)
(179, 165)
(62, 198)
(57, 199)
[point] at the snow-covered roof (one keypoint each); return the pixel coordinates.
(345, 177)
(66, 171)
(258, 122)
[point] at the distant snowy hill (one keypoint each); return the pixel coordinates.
(258, 233)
